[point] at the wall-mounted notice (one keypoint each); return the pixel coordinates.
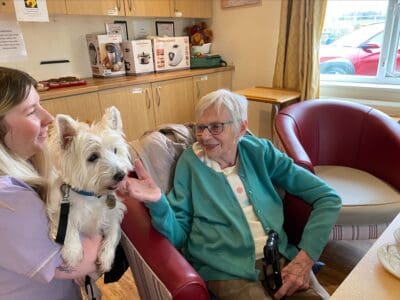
(12, 46)
(31, 10)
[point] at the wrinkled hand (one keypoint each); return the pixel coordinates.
(295, 275)
(143, 188)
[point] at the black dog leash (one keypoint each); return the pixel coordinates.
(62, 230)
(64, 212)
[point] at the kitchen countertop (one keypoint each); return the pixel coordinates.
(98, 84)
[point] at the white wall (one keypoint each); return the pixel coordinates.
(64, 38)
(247, 37)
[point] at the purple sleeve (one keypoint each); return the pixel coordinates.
(26, 247)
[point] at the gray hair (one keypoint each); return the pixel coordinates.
(234, 103)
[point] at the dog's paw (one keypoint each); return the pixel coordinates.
(106, 259)
(72, 256)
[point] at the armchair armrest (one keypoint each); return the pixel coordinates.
(286, 127)
(380, 148)
(160, 271)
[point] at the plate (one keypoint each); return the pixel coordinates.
(389, 256)
(396, 234)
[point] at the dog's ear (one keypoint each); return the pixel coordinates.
(66, 127)
(112, 118)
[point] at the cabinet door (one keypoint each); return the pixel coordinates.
(7, 7)
(204, 84)
(85, 107)
(146, 8)
(193, 9)
(173, 101)
(135, 104)
(99, 7)
(53, 7)
(56, 7)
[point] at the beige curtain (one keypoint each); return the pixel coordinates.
(297, 62)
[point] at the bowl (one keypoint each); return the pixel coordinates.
(203, 49)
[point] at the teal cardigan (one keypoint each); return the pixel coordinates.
(202, 217)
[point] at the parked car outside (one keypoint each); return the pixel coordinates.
(356, 53)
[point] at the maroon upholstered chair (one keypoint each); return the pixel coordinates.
(159, 270)
(356, 149)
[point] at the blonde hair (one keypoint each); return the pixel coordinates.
(15, 86)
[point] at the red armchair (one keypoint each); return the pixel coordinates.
(354, 148)
(159, 270)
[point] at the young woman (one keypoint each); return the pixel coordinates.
(30, 262)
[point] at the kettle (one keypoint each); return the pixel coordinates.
(175, 55)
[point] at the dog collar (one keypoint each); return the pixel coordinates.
(84, 193)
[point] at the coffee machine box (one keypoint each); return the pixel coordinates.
(171, 53)
(105, 54)
(138, 56)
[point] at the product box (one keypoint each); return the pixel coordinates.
(171, 53)
(105, 54)
(138, 56)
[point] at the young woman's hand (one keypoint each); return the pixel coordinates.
(88, 264)
(142, 188)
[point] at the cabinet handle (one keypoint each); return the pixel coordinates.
(158, 95)
(198, 90)
(119, 5)
(130, 4)
(147, 96)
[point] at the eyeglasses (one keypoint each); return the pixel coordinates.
(213, 128)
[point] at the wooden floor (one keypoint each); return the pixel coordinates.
(339, 256)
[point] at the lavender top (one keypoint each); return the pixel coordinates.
(28, 257)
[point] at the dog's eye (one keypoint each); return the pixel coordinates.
(115, 150)
(93, 157)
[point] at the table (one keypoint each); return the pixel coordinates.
(369, 279)
(278, 98)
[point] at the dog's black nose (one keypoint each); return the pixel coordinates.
(119, 176)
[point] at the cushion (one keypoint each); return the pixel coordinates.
(366, 199)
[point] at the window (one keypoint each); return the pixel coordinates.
(360, 42)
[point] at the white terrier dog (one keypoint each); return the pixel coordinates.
(89, 162)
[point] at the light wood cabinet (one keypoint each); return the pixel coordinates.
(7, 7)
(146, 8)
(135, 104)
(173, 101)
(99, 7)
(53, 7)
(56, 7)
(192, 8)
(145, 106)
(85, 107)
(142, 8)
(204, 84)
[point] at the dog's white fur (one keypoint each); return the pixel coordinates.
(92, 158)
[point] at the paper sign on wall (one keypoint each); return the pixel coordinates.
(12, 46)
(31, 10)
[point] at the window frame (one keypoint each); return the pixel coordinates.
(386, 74)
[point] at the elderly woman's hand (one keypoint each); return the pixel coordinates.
(143, 188)
(295, 275)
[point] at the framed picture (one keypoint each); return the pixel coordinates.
(123, 29)
(235, 3)
(164, 28)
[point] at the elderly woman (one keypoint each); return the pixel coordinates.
(223, 203)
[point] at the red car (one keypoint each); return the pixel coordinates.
(356, 53)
